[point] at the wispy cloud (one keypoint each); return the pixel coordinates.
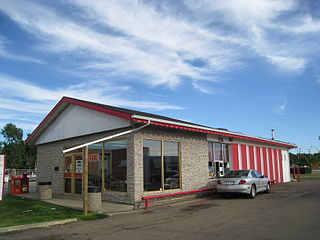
(40, 100)
(280, 109)
(15, 57)
(157, 43)
(160, 43)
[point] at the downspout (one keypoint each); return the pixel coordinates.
(106, 138)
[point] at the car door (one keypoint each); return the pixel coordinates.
(256, 180)
(262, 181)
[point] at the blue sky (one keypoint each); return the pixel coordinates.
(248, 66)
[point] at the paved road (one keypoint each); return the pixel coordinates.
(291, 211)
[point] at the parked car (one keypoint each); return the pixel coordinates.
(248, 182)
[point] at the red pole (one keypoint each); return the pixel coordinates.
(298, 174)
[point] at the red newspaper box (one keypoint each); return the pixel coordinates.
(16, 185)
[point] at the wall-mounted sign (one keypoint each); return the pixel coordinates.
(2, 169)
(79, 166)
(94, 157)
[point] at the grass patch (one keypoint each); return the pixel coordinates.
(15, 211)
(308, 176)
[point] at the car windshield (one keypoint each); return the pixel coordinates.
(237, 173)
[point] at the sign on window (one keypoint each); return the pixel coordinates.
(78, 166)
(94, 157)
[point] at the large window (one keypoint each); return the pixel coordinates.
(161, 165)
(218, 161)
(115, 165)
(108, 165)
(94, 165)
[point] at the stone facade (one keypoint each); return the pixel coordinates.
(50, 156)
(193, 159)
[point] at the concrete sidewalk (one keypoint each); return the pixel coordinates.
(75, 202)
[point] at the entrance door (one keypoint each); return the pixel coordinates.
(73, 174)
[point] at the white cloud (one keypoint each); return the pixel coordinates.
(25, 126)
(289, 63)
(155, 42)
(41, 100)
(306, 24)
(280, 109)
(16, 57)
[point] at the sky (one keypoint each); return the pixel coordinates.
(245, 65)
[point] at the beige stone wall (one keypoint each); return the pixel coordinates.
(193, 162)
(50, 155)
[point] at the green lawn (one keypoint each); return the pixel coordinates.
(18, 211)
(309, 176)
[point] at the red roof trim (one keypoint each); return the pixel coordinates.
(82, 104)
(214, 132)
(129, 117)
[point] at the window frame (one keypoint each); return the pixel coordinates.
(162, 164)
(103, 177)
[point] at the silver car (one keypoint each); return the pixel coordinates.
(243, 181)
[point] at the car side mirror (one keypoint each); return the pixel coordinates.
(263, 176)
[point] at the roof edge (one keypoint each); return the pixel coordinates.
(79, 103)
(192, 127)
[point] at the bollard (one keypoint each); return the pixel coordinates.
(45, 190)
(94, 199)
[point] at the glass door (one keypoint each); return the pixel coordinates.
(73, 174)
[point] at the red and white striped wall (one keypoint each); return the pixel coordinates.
(272, 162)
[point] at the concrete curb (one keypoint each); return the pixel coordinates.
(36, 225)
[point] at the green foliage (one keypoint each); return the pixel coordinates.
(305, 159)
(11, 133)
(19, 154)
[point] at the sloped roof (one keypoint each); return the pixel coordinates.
(143, 117)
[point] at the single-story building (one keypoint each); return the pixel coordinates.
(133, 154)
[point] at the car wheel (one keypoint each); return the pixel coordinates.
(268, 188)
(253, 191)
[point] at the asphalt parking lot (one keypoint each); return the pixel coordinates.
(290, 211)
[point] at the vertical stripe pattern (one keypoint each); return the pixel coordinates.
(280, 165)
(266, 160)
(235, 156)
(244, 156)
(251, 154)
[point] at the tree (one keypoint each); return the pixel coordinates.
(11, 133)
(30, 155)
(305, 159)
(19, 155)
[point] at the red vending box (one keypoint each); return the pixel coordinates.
(16, 185)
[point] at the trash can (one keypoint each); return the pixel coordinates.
(94, 199)
(45, 190)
